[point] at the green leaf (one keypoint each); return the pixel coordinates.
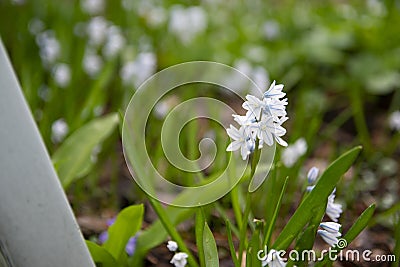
(72, 158)
(268, 231)
(313, 201)
(231, 245)
(200, 222)
(127, 223)
(100, 255)
(210, 248)
(353, 232)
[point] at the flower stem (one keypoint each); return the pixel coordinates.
(172, 231)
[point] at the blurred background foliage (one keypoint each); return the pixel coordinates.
(339, 61)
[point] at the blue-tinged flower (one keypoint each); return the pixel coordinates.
(241, 141)
(312, 175)
(130, 245)
(254, 105)
(172, 246)
(329, 237)
(331, 227)
(333, 210)
(275, 91)
(179, 259)
(273, 259)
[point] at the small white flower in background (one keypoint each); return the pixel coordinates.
(273, 259)
(260, 122)
(260, 77)
(92, 63)
(18, 2)
(187, 23)
(293, 152)
(172, 246)
(161, 109)
(312, 175)
(333, 210)
(92, 7)
(59, 130)
(257, 74)
(35, 26)
(179, 259)
(95, 153)
(62, 74)
(271, 29)
(115, 42)
(394, 120)
(140, 69)
(96, 30)
(49, 47)
(154, 16)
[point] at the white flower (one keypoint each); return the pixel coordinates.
(329, 237)
(115, 42)
(49, 47)
(394, 120)
(35, 26)
(333, 210)
(260, 77)
(140, 69)
(92, 63)
(312, 175)
(273, 259)
(241, 140)
(187, 23)
(293, 152)
(271, 29)
(96, 30)
(331, 227)
(276, 107)
(268, 130)
(172, 246)
(275, 91)
(179, 259)
(92, 7)
(59, 130)
(254, 105)
(62, 74)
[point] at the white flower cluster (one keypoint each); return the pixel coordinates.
(180, 258)
(330, 231)
(263, 122)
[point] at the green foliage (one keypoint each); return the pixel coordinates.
(210, 248)
(318, 195)
(128, 222)
(73, 158)
(126, 225)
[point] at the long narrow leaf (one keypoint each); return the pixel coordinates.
(210, 248)
(318, 195)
